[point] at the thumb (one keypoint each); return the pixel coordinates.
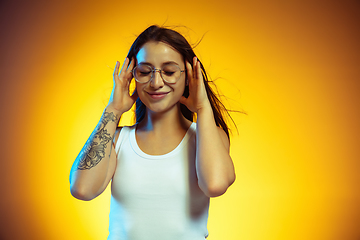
(183, 100)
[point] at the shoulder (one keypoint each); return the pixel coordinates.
(224, 138)
(117, 133)
(121, 129)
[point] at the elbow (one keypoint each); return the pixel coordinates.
(217, 189)
(81, 193)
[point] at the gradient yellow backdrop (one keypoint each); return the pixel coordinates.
(293, 66)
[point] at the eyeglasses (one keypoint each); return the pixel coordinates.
(144, 73)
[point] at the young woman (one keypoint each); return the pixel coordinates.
(165, 168)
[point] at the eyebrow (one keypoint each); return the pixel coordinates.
(164, 63)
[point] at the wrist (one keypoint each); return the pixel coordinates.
(111, 108)
(205, 109)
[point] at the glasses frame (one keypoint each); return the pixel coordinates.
(154, 70)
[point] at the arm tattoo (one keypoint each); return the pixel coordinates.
(94, 150)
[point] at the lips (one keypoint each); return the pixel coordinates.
(157, 95)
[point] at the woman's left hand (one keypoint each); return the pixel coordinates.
(197, 93)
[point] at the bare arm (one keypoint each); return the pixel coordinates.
(214, 166)
(215, 169)
(94, 167)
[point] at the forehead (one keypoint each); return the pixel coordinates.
(157, 53)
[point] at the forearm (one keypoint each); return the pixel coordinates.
(214, 166)
(90, 168)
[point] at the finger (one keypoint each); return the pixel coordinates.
(116, 70)
(124, 66)
(189, 71)
(130, 68)
(194, 66)
(198, 70)
(131, 65)
(183, 100)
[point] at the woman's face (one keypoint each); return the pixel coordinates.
(158, 95)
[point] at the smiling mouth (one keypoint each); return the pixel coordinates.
(157, 95)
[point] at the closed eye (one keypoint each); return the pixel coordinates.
(168, 73)
(145, 73)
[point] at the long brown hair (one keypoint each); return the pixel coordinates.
(180, 44)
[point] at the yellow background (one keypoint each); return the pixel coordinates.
(293, 66)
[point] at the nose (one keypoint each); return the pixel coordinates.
(157, 81)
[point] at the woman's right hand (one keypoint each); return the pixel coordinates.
(120, 99)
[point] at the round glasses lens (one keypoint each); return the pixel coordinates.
(142, 73)
(171, 73)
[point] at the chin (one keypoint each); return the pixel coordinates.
(160, 109)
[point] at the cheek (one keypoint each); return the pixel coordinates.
(182, 86)
(140, 86)
(179, 92)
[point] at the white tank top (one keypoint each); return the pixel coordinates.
(157, 197)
